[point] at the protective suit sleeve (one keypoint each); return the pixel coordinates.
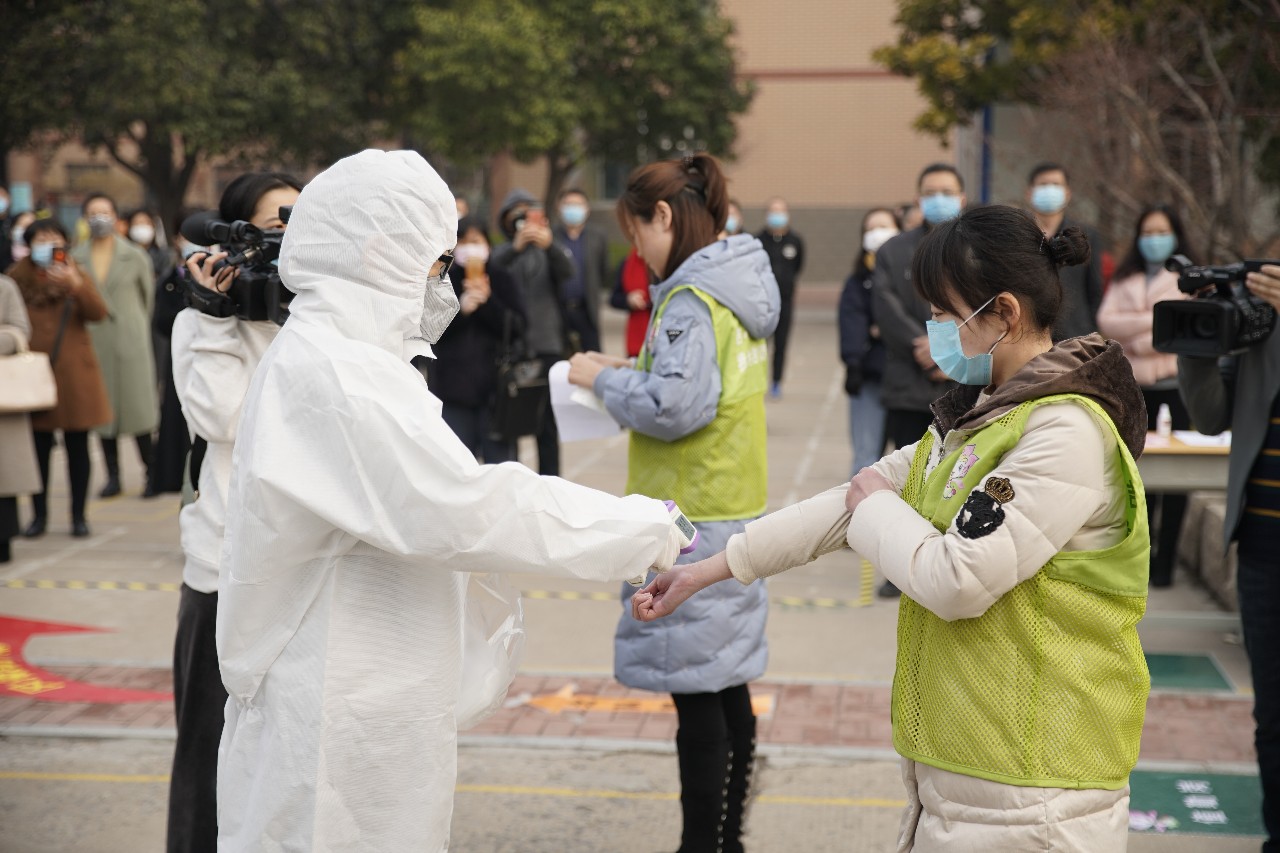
(680, 392)
(380, 465)
(211, 372)
(1060, 479)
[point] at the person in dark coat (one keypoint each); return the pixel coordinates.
(590, 250)
(491, 320)
(52, 288)
(786, 255)
(861, 348)
(1048, 194)
(540, 266)
(173, 439)
(911, 380)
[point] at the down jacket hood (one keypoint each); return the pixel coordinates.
(736, 273)
(363, 236)
(1088, 365)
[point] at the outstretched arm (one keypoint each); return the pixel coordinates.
(668, 591)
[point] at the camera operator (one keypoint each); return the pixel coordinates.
(1243, 395)
(213, 360)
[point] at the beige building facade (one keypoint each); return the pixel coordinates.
(828, 130)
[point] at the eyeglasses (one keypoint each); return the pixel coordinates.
(447, 260)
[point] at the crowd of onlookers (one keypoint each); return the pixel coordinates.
(102, 301)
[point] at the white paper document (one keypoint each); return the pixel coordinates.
(1195, 439)
(580, 414)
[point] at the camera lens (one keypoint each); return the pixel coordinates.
(1205, 326)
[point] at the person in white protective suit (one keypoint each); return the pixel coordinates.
(354, 514)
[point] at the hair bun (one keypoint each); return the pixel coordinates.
(1070, 248)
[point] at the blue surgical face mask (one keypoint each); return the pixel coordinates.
(4, 206)
(573, 214)
(948, 353)
(1049, 198)
(42, 255)
(777, 221)
(731, 225)
(940, 207)
(1156, 248)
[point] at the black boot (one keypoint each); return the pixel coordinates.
(111, 456)
(36, 527)
(146, 451)
(741, 768)
(79, 528)
(704, 780)
(6, 551)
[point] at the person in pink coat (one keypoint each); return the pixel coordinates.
(1126, 316)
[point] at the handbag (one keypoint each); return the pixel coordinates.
(522, 393)
(26, 378)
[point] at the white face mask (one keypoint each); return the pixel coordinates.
(877, 237)
(142, 234)
(439, 307)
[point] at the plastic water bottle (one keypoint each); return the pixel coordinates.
(1164, 421)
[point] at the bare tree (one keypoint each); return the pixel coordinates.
(1169, 111)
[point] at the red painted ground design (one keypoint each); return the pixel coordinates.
(20, 679)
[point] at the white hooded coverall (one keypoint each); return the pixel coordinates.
(352, 513)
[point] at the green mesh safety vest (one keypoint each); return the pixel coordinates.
(1048, 688)
(720, 472)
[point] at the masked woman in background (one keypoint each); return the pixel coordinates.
(60, 298)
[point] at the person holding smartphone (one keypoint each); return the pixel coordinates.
(60, 299)
(540, 267)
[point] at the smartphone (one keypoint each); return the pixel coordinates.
(59, 255)
(536, 216)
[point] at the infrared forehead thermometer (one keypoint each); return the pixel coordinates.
(688, 535)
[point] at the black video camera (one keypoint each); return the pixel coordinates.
(256, 291)
(1223, 319)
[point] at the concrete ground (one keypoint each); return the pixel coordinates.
(534, 792)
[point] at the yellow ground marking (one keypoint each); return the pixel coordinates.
(566, 699)
(131, 586)
(863, 600)
(506, 790)
(81, 777)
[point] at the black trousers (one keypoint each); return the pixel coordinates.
(548, 436)
(782, 334)
(1258, 585)
(905, 426)
(198, 700)
(715, 746)
(111, 453)
(1165, 511)
(77, 447)
(582, 326)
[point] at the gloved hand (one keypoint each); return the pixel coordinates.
(852, 379)
(682, 538)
